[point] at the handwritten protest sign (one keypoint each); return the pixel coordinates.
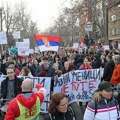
(78, 85)
(45, 82)
(23, 51)
(3, 38)
(16, 35)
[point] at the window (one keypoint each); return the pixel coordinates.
(118, 31)
(113, 31)
(113, 17)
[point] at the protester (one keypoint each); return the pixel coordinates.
(85, 65)
(96, 62)
(13, 65)
(26, 106)
(58, 72)
(45, 69)
(67, 67)
(59, 109)
(34, 67)
(103, 60)
(26, 72)
(108, 69)
(103, 105)
(11, 86)
(116, 93)
(116, 73)
(57, 60)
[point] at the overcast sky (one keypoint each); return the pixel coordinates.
(42, 11)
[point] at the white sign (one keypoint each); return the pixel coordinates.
(88, 26)
(75, 45)
(16, 35)
(106, 47)
(23, 51)
(31, 51)
(79, 85)
(26, 40)
(22, 45)
(45, 82)
(3, 38)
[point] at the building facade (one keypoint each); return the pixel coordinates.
(114, 23)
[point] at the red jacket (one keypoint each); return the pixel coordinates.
(83, 67)
(115, 76)
(13, 109)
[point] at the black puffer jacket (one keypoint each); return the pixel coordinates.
(69, 115)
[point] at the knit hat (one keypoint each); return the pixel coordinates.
(105, 86)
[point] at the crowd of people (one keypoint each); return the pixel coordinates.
(51, 64)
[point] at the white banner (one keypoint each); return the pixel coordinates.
(45, 82)
(23, 51)
(31, 51)
(27, 40)
(16, 35)
(79, 85)
(3, 38)
(22, 45)
(50, 48)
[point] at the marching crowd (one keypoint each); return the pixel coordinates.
(25, 104)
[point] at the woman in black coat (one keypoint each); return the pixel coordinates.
(58, 108)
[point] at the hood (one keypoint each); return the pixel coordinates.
(27, 102)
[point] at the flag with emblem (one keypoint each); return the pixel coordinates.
(47, 43)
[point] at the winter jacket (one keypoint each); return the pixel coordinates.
(13, 109)
(106, 110)
(115, 76)
(69, 115)
(42, 72)
(83, 67)
(17, 87)
(96, 63)
(108, 70)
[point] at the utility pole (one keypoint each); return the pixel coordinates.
(1, 19)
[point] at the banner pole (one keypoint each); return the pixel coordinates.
(1, 47)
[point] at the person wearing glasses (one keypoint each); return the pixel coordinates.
(59, 109)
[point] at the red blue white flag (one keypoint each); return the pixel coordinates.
(47, 43)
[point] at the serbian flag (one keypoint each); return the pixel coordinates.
(47, 43)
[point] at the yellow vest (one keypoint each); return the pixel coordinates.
(29, 114)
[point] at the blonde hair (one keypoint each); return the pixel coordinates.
(97, 97)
